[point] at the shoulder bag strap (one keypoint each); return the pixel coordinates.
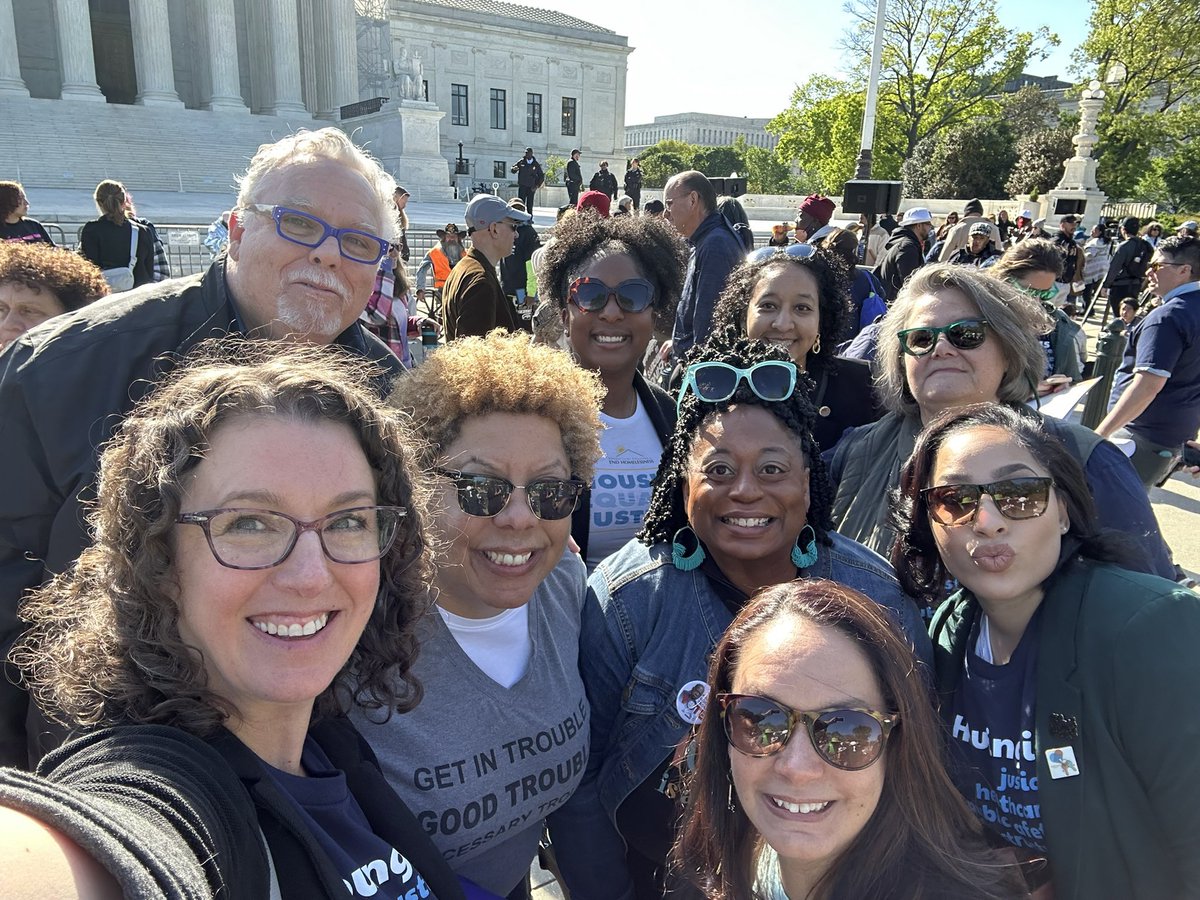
(133, 242)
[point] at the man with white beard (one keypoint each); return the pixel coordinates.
(305, 239)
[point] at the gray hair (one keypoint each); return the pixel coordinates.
(1015, 320)
(326, 143)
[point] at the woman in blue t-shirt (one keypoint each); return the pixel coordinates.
(258, 540)
(1067, 682)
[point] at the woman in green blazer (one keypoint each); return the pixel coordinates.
(1068, 684)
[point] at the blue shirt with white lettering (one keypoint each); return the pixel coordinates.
(369, 865)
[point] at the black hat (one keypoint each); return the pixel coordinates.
(449, 229)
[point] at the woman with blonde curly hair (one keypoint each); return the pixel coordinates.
(500, 738)
(258, 567)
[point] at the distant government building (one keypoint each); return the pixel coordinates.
(701, 129)
(177, 94)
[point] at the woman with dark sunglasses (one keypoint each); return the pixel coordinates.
(1067, 681)
(207, 646)
(615, 283)
(819, 770)
(740, 502)
(798, 298)
(956, 335)
(499, 739)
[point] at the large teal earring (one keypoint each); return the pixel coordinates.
(683, 560)
(806, 557)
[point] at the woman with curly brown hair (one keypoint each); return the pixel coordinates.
(819, 770)
(500, 737)
(614, 283)
(40, 281)
(258, 567)
(740, 501)
(15, 224)
(798, 298)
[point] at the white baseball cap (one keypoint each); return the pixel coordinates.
(916, 216)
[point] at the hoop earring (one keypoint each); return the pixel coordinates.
(816, 347)
(806, 557)
(684, 560)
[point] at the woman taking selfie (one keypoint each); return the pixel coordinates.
(1067, 681)
(818, 768)
(740, 502)
(258, 539)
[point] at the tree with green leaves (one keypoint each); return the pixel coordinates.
(718, 161)
(664, 159)
(963, 161)
(765, 172)
(1040, 157)
(1147, 53)
(552, 167)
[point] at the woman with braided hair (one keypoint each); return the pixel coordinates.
(741, 501)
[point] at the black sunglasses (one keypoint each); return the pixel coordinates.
(848, 739)
(1016, 498)
(965, 335)
(485, 496)
(591, 294)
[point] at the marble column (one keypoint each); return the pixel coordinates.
(152, 53)
(11, 82)
(75, 55)
(337, 55)
(284, 41)
(221, 29)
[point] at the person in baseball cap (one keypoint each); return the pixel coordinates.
(1188, 228)
(473, 299)
(905, 249)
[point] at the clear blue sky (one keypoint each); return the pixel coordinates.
(745, 58)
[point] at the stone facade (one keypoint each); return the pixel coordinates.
(508, 77)
(702, 129)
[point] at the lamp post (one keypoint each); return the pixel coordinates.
(863, 166)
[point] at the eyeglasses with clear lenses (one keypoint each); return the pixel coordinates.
(714, 382)
(1015, 498)
(308, 230)
(850, 738)
(263, 538)
(592, 295)
(965, 335)
(798, 251)
(485, 496)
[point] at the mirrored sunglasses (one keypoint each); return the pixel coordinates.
(1046, 294)
(1015, 498)
(965, 335)
(798, 251)
(591, 294)
(850, 738)
(485, 496)
(715, 382)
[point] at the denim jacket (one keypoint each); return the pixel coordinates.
(648, 629)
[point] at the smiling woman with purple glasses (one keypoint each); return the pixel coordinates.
(615, 283)
(1067, 682)
(259, 566)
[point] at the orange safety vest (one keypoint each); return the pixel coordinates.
(441, 267)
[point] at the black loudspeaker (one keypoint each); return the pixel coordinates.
(1066, 207)
(728, 187)
(872, 197)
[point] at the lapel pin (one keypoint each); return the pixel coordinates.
(1062, 762)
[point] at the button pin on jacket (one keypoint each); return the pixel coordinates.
(1062, 762)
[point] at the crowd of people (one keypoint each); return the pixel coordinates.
(693, 569)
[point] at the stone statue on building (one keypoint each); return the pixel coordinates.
(408, 74)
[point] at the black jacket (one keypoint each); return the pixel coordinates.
(901, 257)
(605, 183)
(633, 182)
(107, 245)
(1072, 257)
(1129, 264)
(512, 267)
(172, 816)
(574, 173)
(661, 410)
(65, 386)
